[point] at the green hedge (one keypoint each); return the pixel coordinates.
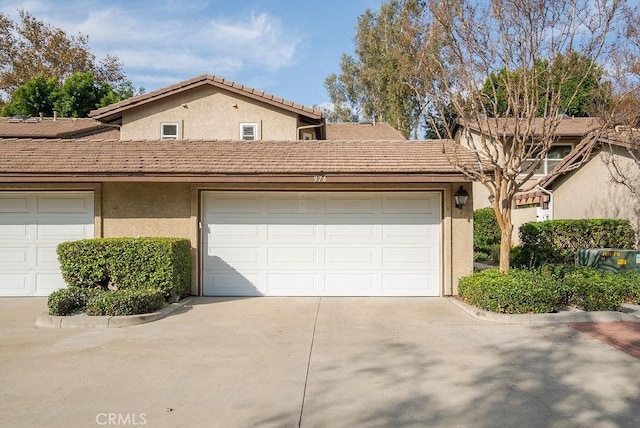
(557, 241)
(520, 291)
(486, 234)
(128, 263)
(548, 288)
(126, 302)
(67, 301)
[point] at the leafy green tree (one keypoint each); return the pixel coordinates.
(369, 85)
(574, 79)
(34, 97)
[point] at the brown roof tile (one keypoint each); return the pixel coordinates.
(567, 127)
(58, 128)
(20, 157)
(114, 111)
(362, 131)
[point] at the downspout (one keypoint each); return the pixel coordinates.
(550, 194)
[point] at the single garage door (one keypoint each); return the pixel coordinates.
(321, 244)
(31, 226)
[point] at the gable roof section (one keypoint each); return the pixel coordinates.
(190, 160)
(56, 128)
(580, 155)
(113, 112)
(362, 131)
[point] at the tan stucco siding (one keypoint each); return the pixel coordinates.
(460, 236)
(590, 193)
(208, 113)
(151, 209)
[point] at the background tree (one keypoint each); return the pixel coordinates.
(518, 44)
(30, 48)
(369, 85)
(76, 97)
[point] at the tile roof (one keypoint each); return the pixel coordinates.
(56, 128)
(362, 131)
(567, 127)
(20, 157)
(114, 111)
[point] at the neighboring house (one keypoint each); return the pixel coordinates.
(275, 215)
(49, 127)
(534, 204)
(581, 185)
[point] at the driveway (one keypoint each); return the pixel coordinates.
(314, 362)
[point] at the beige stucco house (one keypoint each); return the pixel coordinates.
(573, 181)
(271, 206)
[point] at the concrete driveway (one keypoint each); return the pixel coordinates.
(314, 362)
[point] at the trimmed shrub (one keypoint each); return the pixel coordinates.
(518, 292)
(128, 263)
(557, 241)
(593, 290)
(486, 234)
(631, 285)
(67, 301)
(126, 302)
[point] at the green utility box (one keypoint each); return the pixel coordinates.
(609, 259)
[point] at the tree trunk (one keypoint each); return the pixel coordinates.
(505, 241)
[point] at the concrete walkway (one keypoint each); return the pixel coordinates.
(311, 362)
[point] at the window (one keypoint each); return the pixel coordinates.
(168, 131)
(249, 131)
(307, 136)
(553, 158)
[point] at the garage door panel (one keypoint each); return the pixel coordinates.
(353, 257)
(410, 284)
(11, 229)
(46, 256)
(232, 283)
(288, 231)
(246, 204)
(47, 282)
(356, 204)
(292, 257)
(324, 243)
(350, 284)
(71, 204)
(16, 283)
(291, 284)
(293, 204)
(57, 230)
(14, 257)
(15, 203)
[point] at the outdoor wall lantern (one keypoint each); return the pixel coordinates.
(460, 197)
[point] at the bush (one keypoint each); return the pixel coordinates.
(593, 290)
(631, 285)
(557, 241)
(126, 302)
(486, 234)
(128, 263)
(518, 292)
(70, 300)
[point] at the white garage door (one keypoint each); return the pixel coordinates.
(31, 226)
(321, 244)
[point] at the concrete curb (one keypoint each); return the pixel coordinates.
(560, 317)
(85, 321)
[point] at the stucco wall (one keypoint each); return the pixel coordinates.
(589, 193)
(460, 237)
(207, 112)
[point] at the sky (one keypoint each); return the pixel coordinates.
(284, 47)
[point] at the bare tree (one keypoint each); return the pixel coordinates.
(475, 56)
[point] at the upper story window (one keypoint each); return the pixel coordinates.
(553, 158)
(249, 131)
(168, 131)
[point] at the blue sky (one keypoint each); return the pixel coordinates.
(284, 47)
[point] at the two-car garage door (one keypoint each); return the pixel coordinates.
(322, 243)
(32, 224)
